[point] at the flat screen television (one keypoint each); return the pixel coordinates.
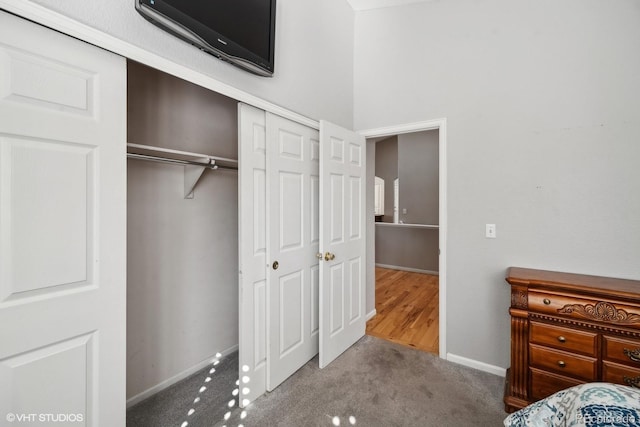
(241, 32)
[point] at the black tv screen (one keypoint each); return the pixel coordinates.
(239, 31)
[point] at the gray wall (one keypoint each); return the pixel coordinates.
(386, 161)
(182, 255)
(314, 52)
(418, 172)
(408, 247)
(542, 101)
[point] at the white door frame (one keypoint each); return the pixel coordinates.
(441, 126)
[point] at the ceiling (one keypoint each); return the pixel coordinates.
(375, 4)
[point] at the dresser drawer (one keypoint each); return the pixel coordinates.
(620, 374)
(585, 309)
(564, 338)
(563, 363)
(544, 384)
(542, 302)
(622, 350)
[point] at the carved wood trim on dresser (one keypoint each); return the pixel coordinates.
(568, 329)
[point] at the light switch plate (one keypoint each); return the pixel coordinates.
(490, 231)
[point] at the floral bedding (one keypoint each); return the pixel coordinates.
(590, 405)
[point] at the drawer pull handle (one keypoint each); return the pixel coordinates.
(546, 301)
(562, 339)
(632, 381)
(561, 363)
(632, 354)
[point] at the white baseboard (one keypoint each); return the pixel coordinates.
(370, 315)
(475, 364)
(413, 270)
(178, 377)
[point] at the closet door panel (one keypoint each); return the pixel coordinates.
(62, 226)
(342, 239)
(253, 251)
(292, 175)
(37, 264)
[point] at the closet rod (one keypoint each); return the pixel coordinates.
(177, 161)
(161, 151)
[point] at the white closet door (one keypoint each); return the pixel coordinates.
(292, 216)
(342, 239)
(62, 227)
(253, 251)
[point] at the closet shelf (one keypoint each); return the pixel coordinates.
(194, 163)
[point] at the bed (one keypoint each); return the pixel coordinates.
(590, 405)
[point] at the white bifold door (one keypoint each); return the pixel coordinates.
(342, 237)
(62, 229)
(302, 246)
(293, 163)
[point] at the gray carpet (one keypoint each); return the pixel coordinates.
(170, 407)
(374, 383)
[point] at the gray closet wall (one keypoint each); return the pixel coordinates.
(182, 254)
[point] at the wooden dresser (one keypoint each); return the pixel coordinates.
(568, 329)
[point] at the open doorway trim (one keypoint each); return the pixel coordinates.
(441, 126)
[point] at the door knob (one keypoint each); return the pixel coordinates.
(276, 265)
(319, 255)
(328, 256)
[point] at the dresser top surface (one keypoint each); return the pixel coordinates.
(570, 281)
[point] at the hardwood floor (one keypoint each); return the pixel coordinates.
(406, 309)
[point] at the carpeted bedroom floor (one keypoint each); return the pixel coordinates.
(374, 383)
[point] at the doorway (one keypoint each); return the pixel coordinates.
(428, 280)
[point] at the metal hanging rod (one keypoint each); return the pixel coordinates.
(157, 159)
(168, 155)
(194, 163)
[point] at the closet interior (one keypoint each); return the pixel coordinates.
(182, 232)
(197, 267)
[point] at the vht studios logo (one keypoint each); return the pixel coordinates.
(45, 418)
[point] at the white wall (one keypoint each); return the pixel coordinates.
(182, 254)
(542, 101)
(314, 52)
